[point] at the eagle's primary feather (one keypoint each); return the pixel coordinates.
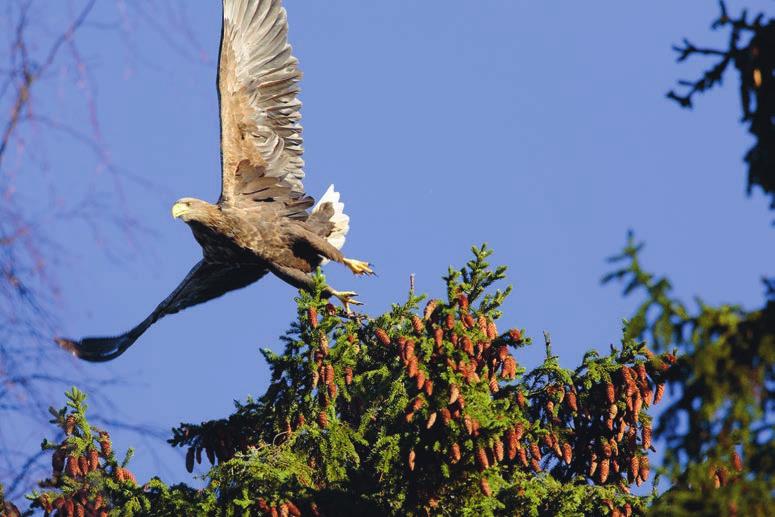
(260, 223)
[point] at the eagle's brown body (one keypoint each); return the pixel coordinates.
(261, 221)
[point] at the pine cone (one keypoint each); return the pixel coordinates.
(493, 383)
(450, 321)
(469, 425)
(411, 459)
(431, 420)
(481, 321)
(418, 403)
(293, 509)
(58, 460)
(512, 444)
(69, 424)
(535, 451)
(411, 368)
(429, 308)
(602, 471)
(446, 417)
(72, 468)
(417, 325)
(382, 336)
(454, 452)
(485, 485)
(468, 321)
(80, 511)
(332, 390)
(492, 330)
(644, 468)
(640, 369)
(567, 453)
(105, 445)
(519, 431)
(570, 399)
(610, 393)
(438, 337)
(94, 459)
(323, 419)
(468, 346)
(120, 474)
(646, 436)
(83, 465)
(634, 468)
(428, 387)
(523, 456)
(454, 393)
(348, 375)
(312, 316)
(737, 461)
(521, 401)
(481, 459)
(498, 451)
(660, 393)
(535, 465)
(515, 335)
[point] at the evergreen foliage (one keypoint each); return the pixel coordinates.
(423, 410)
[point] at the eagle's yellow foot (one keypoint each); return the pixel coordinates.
(358, 267)
(347, 299)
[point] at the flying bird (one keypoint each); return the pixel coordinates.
(262, 221)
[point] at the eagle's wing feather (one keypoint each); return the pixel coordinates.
(204, 282)
(261, 144)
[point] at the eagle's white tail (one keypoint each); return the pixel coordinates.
(339, 220)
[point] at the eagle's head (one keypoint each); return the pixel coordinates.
(190, 209)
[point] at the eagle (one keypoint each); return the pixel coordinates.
(262, 220)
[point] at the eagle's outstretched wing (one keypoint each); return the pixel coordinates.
(261, 144)
(204, 282)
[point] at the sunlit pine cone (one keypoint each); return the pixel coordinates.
(469, 424)
(420, 379)
(429, 308)
(640, 369)
(468, 321)
(411, 459)
(481, 459)
(485, 486)
(492, 330)
(428, 387)
(72, 468)
(481, 322)
(603, 469)
(409, 350)
(644, 468)
(293, 510)
(535, 451)
(446, 417)
(522, 453)
(411, 368)
(468, 346)
(382, 336)
(348, 375)
(312, 317)
(431, 420)
(323, 419)
(453, 338)
(94, 459)
(634, 471)
(521, 400)
(511, 444)
(550, 406)
(515, 335)
(646, 436)
(462, 301)
(83, 465)
(454, 393)
(332, 390)
(493, 384)
(438, 337)
(610, 393)
(535, 465)
(498, 451)
(519, 431)
(450, 321)
(567, 453)
(418, 325)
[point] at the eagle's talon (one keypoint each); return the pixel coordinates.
(347, 299)
(358, 267)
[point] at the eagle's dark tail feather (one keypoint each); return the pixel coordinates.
(101, 349)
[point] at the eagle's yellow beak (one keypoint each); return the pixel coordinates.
(179, 209)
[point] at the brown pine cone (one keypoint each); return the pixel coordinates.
(429, 308)
(492, 330)
(420, 379)
(737, 461)
(411, 459)
(567, 453)
(120, 474)
(462, 301)
(454, 452)
(94, 459)
(69, 424)
(468, 321)
(323, 419)
(498, 451)
(523, 456)
(83, 465)
(515, 335)
(535, 465)
(58, 460)
(454, 393)
(485, 485)
(73, 468)
(438, 337)
(646, 436)
(610, 393)
(602, 471)
(512, 444)
(431, 420)
(80, 511)
(644, 468)
(634, 471)
(450, 321)
(428, 387)
(348, 375)
(570, 399)
(293, 509)
(481, 322)
(446, 417)
(382, 336)
(493, 383)
(659, 393)
(519, 431)
(418, 325)
(468, 346)
(481, 459)
(312, 317)
(535, 451)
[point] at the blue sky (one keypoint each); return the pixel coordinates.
(540, 128)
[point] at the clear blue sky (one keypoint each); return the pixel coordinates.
(540, 128)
